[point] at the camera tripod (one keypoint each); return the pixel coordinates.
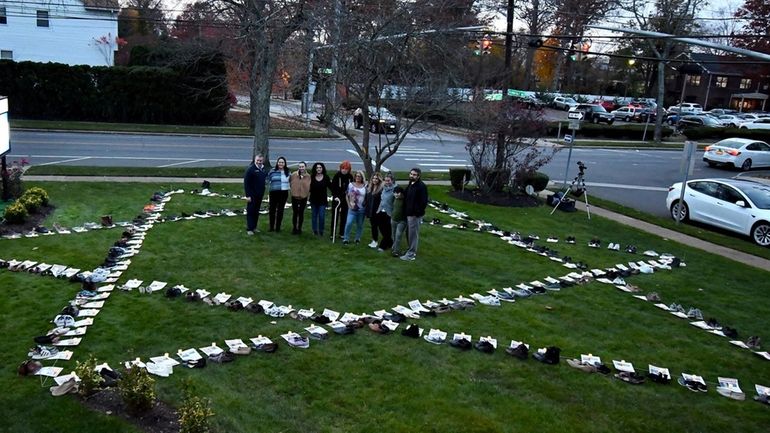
(577, 187)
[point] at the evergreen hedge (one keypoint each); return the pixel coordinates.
(191, 94)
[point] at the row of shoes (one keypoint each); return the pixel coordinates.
(711, 324)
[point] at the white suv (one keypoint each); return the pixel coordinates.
(563, 103)
(686, 108)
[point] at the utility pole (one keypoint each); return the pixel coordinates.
(333, 78)
(500, 154)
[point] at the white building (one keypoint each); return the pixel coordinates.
(62, 31)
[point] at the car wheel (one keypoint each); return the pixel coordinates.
(628, 118)
(711, 164)
(760, 233)
(609, 122)
(683, 211)
(595, 120)
(746, 166)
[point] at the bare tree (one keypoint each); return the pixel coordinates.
(262, 28)
(521, 129)
(401, 54)
(675, 17)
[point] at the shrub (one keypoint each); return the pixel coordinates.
(38, 192)
(194, 415)
(137, 389)
(90, 379)
(16, 213)
(31, 202)
(459, 177)
(537, 179)
(13, 175)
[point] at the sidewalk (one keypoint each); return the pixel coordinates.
(664, 233)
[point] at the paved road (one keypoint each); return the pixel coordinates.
(638, 179)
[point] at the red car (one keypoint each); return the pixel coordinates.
(608, 105)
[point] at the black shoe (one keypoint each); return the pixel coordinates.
(461, 344)
(411, 331)
(521, 351)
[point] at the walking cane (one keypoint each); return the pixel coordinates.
(334, 218)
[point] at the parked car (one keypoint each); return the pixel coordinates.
(740, 153)
(563, 103)
(608, 105)
(644, 114)
(738, 205)
(381, 120)
(730, 120)
(686, 108)
(529, 102)
(626, 113)
(722, 111)
(693, 121)
(594, 113)
(672, 118)
(763, 123)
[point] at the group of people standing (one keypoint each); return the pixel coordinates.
(391, 209)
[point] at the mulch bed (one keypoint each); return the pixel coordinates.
(30, 223)
(503, 199)
(162, 418)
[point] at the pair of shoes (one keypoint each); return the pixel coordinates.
(595, 243)
(461, 343)
(373, 244)
(652, 296)
(222, 357)
(484, 346)
(694, 313)
(408, 257)
(632, 378)
(549, 355)
(521, 351)
(613, 247)
(395, 253)
(345, 242)
(552, 239)
(580, 365)
(411, 331)
(298, 341)
(250, 232)
(570, 239)
(631, 249)
(65, 388)
(753, 342)
(692, 385)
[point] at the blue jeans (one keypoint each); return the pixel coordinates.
(318, 218)
(357, 216)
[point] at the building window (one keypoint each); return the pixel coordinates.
(745, 83)
(42, 18)
(6, 55)
(693, 80)
(721, 82)
(3, 16)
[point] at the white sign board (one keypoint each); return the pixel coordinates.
(575, 115)
(5, 127)
(567, 138)
(574, 124)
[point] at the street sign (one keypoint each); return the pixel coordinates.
(575, 115)
(574, 124)
(325, 71)
(567, 138)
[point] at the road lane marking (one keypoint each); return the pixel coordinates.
(181, 163)
(65, 161)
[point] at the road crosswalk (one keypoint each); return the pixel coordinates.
(431, 160)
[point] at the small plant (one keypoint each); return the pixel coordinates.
(537, 179)
(137, 389)
(16, 213)
(90, 379)
(459, 177)
(31, 202)
(194, 415)
(38, 192)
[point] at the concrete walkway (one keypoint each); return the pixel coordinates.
(665, 233)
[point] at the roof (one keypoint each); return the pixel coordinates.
(712, 64)
(101, 4)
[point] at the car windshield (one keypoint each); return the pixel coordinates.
(570, 101)
(729, 143)
(707, 120)
(598, 108)
(758, 193)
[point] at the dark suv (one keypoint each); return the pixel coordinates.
(594, 113)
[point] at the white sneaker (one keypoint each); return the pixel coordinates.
(373, 244)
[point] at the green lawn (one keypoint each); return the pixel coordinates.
(366, 381)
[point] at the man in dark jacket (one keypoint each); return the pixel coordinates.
(254, 190)
(415, 202)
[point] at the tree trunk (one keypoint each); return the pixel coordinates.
(661, 90)
(261, 86)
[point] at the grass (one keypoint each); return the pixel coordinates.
(159, 129)
(365, 381)
(200, 172)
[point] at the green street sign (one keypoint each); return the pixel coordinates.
(325, 71)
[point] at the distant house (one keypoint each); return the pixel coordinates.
(63, 31)
(718, 82)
